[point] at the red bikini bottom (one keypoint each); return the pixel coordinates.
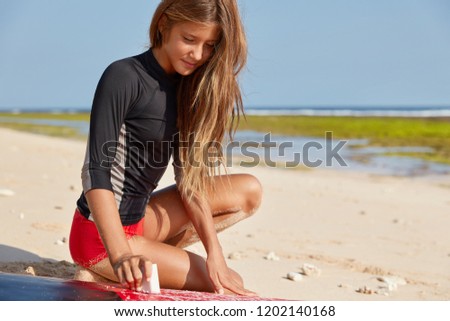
(85, 244)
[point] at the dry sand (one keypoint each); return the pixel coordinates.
(367, 237)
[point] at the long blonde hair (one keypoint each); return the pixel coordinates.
(209, 100)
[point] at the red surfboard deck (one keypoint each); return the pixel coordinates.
(182, 295)
(18, 287)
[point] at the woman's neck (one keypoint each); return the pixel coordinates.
(163, 61)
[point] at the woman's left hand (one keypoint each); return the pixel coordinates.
(223, 278)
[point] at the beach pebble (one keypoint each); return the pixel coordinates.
(343, 285)
(398, 221)
(30, 270)
(310, 270)
(235, 256)
(271, 256)
(6, 192)
(294, 276)
(392, 282)
(61, 241)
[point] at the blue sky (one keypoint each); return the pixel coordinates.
(302, 52)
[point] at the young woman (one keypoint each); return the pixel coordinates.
(177, 100)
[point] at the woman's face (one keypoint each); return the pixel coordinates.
(187, 46)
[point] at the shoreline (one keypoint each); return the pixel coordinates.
(356, 228)
(423, 138)
(402, 156)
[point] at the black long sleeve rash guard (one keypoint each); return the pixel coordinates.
(132, 134)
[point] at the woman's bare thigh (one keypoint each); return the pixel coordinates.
(166, 215)
(177, 268)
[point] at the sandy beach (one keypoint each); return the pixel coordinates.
(348, 235)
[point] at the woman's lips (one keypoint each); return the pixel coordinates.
(189, 65)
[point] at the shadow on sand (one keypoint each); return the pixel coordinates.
(18, 261)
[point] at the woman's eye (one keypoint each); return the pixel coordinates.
(188, 39)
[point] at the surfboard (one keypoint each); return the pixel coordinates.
(19, 287)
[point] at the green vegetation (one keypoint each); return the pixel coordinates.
(53, 116)
(380, 131)
(58, 131)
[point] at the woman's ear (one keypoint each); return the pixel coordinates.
(162, 23)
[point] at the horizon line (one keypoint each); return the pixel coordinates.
(386, 106)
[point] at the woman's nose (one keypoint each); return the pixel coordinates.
(197, 52)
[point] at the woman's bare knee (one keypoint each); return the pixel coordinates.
(253, 194)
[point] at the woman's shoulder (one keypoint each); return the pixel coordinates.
(122, 73)
(122, 66)
(131, 71)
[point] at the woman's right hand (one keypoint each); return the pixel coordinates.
(128, 268)
(131, 269)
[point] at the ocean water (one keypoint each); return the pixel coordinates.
(327, 152)
(356, 111)
(290, 151)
